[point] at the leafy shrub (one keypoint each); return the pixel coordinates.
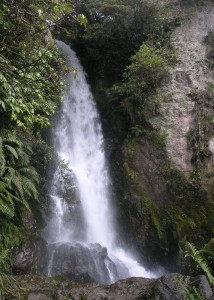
(140, 80)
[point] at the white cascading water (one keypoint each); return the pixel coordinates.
(79, 143)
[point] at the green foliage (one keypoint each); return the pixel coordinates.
(200, 261)
(115, 31)
(208, 251)
(29, 79)
(190, 292)
(11, 234)
(18, 184)
(17, 175)
(148, 66)
(131, 174)
(41, 156)
(140, 80)
(177, 184)
(136, 130)
(193, 294)
(82, 20)
(30, 86)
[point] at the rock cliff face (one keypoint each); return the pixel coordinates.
(168, 186)
(191, 74)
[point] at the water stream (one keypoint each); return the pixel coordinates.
(80, 229)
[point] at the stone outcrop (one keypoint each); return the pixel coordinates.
(82, 263)
(30, 257)
(190, 74)
(168, 287)
(168, 190)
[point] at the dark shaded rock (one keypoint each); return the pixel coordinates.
(24, 258)
(145, 197)
(203, 285)
(81, 263)
(30, 257)
(169, 287)
(176, 286)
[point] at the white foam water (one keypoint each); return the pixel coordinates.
(79, 143)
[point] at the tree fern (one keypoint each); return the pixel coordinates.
(15, 180)
(23, 202)
(200, 261)
(18, 179)
(23, 158)
(6, 201)
(31, 172)
(5, 207)
(29, 187)
(12, 150)
(11, 139)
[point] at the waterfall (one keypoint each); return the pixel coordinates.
(80, 230)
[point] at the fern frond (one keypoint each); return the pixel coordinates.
(23, 202)
(3, 186)
(12, 150)
(200, 261)
(193, 294)
(23, 158)
(1, 149)
(11, 139)
(7, 181)
(31, 172)
(2, 166)
(4, 191)
(15, 179)
(29, 187)
(2, 158)
(208, 252)
(3, 255)
(6, 208)
(29, 149)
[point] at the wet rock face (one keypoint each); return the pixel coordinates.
(81, 263)
(168, 287)
(191, 73)
(24, 258)
(30, 257)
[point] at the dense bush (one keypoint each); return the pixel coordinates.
(29, 91)
(140, 80)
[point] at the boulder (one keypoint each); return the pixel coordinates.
(81, 263)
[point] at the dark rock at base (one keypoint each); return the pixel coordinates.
(168, 287)
(23, 258)
(203, 286)
(30, 257)
(81, 263)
